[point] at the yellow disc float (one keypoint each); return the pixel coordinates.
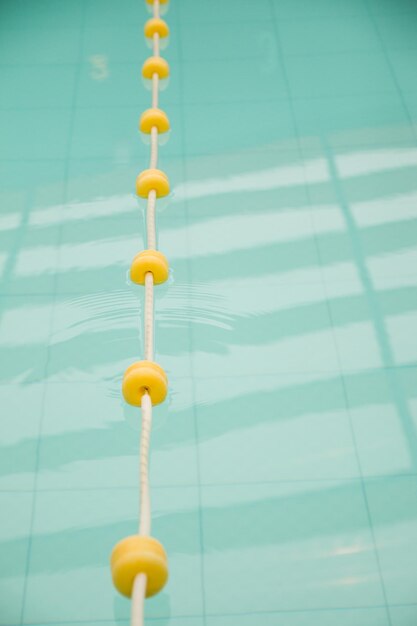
(139, 555)
(156, 26)
(154, 117)
(155, 65)
(152, 180)
(160, 1)
(149, 261)
(144, 377)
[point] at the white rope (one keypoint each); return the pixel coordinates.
(150, 221)
(139, 584)
(138, 600)
(155, 77)
(154, 148)
(148, 323)
(156, 45)
(145, 501)
(155, 90)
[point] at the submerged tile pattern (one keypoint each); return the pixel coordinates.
(284, 467)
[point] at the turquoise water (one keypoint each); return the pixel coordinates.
(284, 466)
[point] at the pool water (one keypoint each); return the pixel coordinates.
(284, 465)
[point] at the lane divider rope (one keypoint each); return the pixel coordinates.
(139, 563)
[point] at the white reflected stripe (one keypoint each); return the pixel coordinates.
(313, 171)
(232, 300)
(10, 221)
(403, 336)
(104, 253)
(273, 178)
(97, 254)
(74, 212)
(374, 161)
(386, 210)
(393, 268)
(305, 352)
(41, 260)
(100, 207)
(336, 274)
(226, 234)
(236, 232)
(328, 218)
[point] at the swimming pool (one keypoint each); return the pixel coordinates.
(284, 480)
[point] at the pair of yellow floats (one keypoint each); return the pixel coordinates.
(139, 554)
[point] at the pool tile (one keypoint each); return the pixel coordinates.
(410, 100)
(382, 406)
(274, 178)
(226, 342)
(31, 260)
(309, 543)
(94, 138)
(338, 75)
(50, 86)
(325, 35)
(354, 122)
(385, 7)
(51, 14)
(400, 331)
(14, 543)
(397, 31)
(101, 13)
(24, 322)
(39, 46)
(104, 83)
(374, 245)
(403, 615)
(32, 197)
(242, 126)
(304, 9)
(392, 174)
(211, 10)
(30, 186)
(288, 262)
(19, 434)
(356, 617)
(393, 510)
(284, 232)
(372, 328)
(232, 39)
(105, 185)
(220, 81)
(271, 429)
(45, 133)
(403, 63)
